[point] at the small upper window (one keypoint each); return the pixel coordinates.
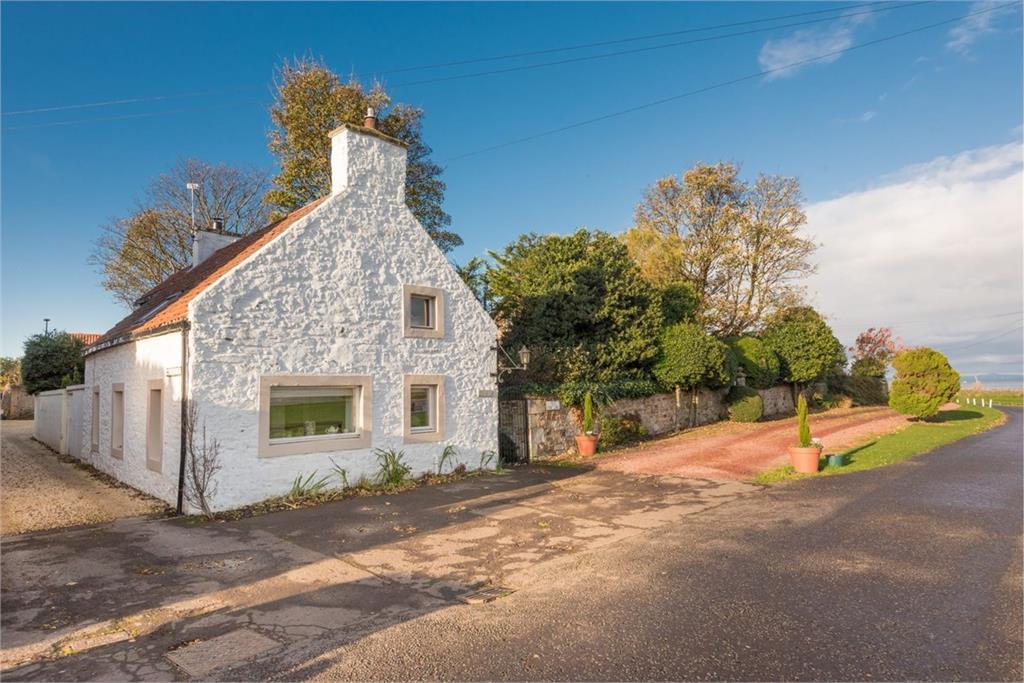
(423, 311)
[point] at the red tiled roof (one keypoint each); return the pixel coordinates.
(167, 303)
(88, 338)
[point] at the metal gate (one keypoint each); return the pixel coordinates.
(513, 432)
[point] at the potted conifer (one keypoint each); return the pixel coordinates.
(804, 456)
(586, 443)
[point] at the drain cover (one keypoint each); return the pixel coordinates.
(486, 595)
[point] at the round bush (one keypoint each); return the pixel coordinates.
(689, 357)
(924, 381)
(805, 344)
(760, 364)
(745, 405)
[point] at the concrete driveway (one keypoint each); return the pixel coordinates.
(148, 599)
(40, 490)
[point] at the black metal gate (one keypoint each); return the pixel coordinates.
(513, 432)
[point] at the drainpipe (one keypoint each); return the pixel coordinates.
(184, 418)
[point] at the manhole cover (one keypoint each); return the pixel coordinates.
(200, 658)
(486, 595)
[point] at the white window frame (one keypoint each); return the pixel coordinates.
(155, 432)
(321, 443)
(94, 421)
(117, 430)
(421, 434)
(434, 331)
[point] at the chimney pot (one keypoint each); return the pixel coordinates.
(217, 225)
(371, 119)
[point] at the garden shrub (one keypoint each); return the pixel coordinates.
(862, 391)
(689, 357)
(621, 430)
(745, 405)
(52, 360)
(805, 344)
(924, 381)
(867, 367)
(760, 364)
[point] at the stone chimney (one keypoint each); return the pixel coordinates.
(205, 242)
(367, 161)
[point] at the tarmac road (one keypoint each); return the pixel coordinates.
(907, 572)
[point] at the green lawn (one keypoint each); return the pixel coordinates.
(999, 398)
(920, 437)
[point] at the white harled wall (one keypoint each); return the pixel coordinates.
(325, 297)
(134, 365)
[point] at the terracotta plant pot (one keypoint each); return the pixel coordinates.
(586, 444)
(804, 459)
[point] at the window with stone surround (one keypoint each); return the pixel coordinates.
(314, 413)
(423, 311)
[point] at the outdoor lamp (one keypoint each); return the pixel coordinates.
(524, 356)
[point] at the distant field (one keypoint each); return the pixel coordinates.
(999, 397)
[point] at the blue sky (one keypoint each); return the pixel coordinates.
(859, 123)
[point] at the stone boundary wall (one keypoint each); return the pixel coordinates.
(553, 428)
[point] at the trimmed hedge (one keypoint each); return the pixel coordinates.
(924, 381)
(760, 364)
(745, 405)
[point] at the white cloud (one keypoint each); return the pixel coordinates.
(806, 44)
(802, 45)
(973, 26)
(934, 251)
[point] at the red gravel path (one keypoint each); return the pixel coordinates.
(739, 451)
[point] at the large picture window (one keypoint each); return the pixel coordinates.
(314, 413)
(424, 408)
(308, 412)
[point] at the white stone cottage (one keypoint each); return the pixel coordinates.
(338, 330)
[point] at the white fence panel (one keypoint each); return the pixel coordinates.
(58, 419)
(48, 424)
(75, 420)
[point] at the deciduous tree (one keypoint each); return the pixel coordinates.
(873, 350)
(138, 251)
(311, 101)
(739, 246)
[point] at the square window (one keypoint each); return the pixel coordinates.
(310, 412)
(422, 408)
(421, 311)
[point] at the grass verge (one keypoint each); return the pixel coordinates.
(920, 437)
(999, 398)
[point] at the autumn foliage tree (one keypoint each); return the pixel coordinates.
(138, 251)
(738, 244)
(872, 352)
(311, 101)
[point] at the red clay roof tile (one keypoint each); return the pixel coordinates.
(167, 303)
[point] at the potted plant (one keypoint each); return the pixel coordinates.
(804, 456)
(586, 443)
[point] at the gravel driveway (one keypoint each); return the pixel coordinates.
(730, 450)
(39, 491)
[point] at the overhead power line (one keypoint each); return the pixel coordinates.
(842, 11)
(723, 84)
(649, 48)
(985, 341)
